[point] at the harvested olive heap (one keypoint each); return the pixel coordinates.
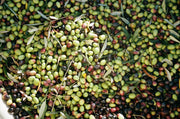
(96, 59)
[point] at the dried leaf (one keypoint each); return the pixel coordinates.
(33, 30)
(174, 39)
(1, 32)
(125, 20)
(15, 61)
(79, 17)
(176, 23)
(174, 33)
(136, 33)
(42, 110)
(52, 17)
(164, 5)
(81, 0)
(167, 61)
(168, 74)
(2, 1)
(66, 3)
(42, 15)
(169, 22)
(45, 42)
(116, 13)
(103, 48)
(30, 39)
(12, 78)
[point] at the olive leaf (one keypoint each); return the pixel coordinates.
(103, 48)
(30, 39)
(11, 10)
(107, 73)
(33, 29)
(174, 39)
(168, 74)
(169, 22)
(52, 17)
(167, 61)
(116, 13)
(110, 37)
(122, 11)
(12, 78)
(102, 5)
(176, 23)
(2, 41)
(42, 15)
(66, 3)
(136, 33)
(42, 110)
(4, 57)
(49, 31)
(125, 20)
(164, 5)
(1, 32)
(174, 33)
(81, 0)
(45, 42)
(34, 24)
(56, 40)
(79, 17)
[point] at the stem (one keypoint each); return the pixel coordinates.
(139, 116)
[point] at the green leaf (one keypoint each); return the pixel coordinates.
(103, 48)
(122, 11)
(169, 22)
(116, 13)
(11, 10)
(174, 33)
(125, 20)
(167, 61)
(42, 15)
(164, 5)
(136, 33)
(66, 3)
(174, 39)
(42, 110)
(81, 0)
(176, 23)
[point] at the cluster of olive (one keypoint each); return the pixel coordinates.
(90, 59)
